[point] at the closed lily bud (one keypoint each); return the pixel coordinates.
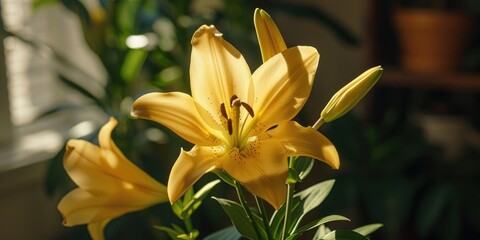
(347, 97)
(269, 37)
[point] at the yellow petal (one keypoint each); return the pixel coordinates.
(347, 97)
(96, 229)
(177, 112)
(82, 207)
(82, 161)
(306, 141)
(269, 37)
(101, 171)
(283, 84)
(115, 163)
(217, 71)
(262, 167)
(189, 167)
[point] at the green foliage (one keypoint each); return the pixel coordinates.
(240, 219)
(185, 207)
(368, 229)
(343, 235)
(228, 233)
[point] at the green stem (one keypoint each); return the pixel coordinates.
(188, 225)
(241, 198)
(288, 206)
(319, 123)
(263, 213)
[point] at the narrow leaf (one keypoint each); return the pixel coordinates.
(303, 166)
(321, 231)
(344, 235)
(225, 177)
(322, 221)
(368, 229)
(228, 233)
(196, 200)
(133, 63)
(170, 232)
(239, 218)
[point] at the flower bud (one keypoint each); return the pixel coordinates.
(347, 97)
(269, 37)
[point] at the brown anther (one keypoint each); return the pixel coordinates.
(248, 108)
(234, 101)
(223, 110)
(230, 127)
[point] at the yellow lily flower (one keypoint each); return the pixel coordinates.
(109, 184)
(240, 122)
(269, 37)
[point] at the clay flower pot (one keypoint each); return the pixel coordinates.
(432, 40)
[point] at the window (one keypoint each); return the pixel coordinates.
(31, 86)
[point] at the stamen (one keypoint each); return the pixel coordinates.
(234, 101)
(230, 127)
(248, 108)
(223, 110)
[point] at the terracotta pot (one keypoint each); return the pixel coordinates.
(432, 40)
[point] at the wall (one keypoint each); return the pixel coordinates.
(339, 62)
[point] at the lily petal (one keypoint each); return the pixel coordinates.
(96, 229)
(82, 161)
(263, 171)
(100, 171)
(306, 141)
(269, 37)
(286, 81)
(189, 167)
(116, 164)
(176, 111)
(82, 207)
(217, 71)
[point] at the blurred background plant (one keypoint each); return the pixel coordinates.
(143, 46)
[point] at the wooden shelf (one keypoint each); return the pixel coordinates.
(445, 81)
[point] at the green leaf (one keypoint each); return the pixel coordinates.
(276, 222)
(321, 221)
(344, 235)
(132, 64)
(196, 200)
(313, 196)
(309, 199)
(225, 177)
(321, 231)
(303, 166)
(126, 12)
(228, 233)
(239, 218)
(177, 208)
(193, 235)
(368, 229)
(173, 234)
